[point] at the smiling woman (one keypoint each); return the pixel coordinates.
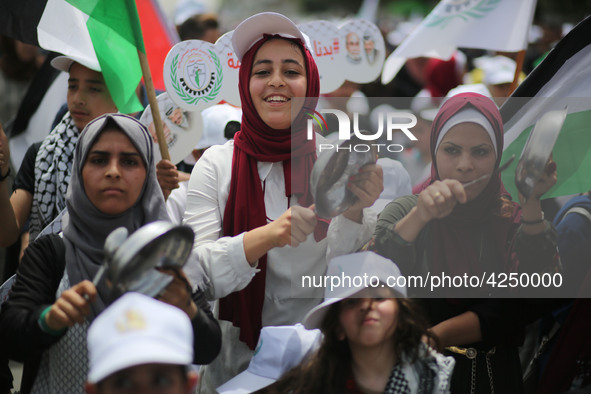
(278, 74)
(249, 201)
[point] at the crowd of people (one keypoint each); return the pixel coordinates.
(235, 318)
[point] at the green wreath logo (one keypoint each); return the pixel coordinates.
(478, 10)
(187, 98)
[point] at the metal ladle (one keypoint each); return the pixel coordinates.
(113, 241)
(495, 172)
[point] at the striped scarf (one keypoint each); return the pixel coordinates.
(53, 168)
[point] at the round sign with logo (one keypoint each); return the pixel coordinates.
(328, 51)
(193, 75)
(364, 49)
(182, 128)
(231, 66)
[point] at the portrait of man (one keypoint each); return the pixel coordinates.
(177, 117)
(353, 45)
(369, 46)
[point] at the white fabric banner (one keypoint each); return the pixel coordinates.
(62, 29)
(499, 25)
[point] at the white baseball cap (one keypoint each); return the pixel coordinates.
(215, 120)
(479, 88)
(280, 348)
(135, 330)
(425, 106)
(63, 63)
(355, 266)
(251, 30)
(497, 69)
(185, 9)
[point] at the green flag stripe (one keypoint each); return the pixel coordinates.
(119, 15)
(572, 152)
(134, 23)
(114, 35)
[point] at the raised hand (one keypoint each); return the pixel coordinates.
(439, 199)
(168, 176)
(178, 292)
(292, 227)
(72, 306)
(367, 185)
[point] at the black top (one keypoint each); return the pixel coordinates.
(502, 320)
(38, 278)
(25, 178)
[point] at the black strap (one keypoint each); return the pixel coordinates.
(59, 246)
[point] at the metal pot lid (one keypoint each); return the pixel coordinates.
(133, 262)
(537, 150)
(331, 173)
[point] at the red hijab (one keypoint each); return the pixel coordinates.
(441, 76)
(245, 209)
(453, 252)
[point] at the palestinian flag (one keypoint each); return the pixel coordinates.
(101, 34)
(562, 80)
(160, 36)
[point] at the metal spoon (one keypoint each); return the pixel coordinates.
(498, 170)
(113, 241)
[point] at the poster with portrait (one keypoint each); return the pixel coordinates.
(364, 49)
(182, 128)
(198, 74)
(328, 52)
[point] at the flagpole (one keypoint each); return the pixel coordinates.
(518, 67)
(154, 105)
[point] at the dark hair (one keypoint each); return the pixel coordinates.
(325, 371)
(195, 27)
(232, 127)
(11, 65)
(182, 369)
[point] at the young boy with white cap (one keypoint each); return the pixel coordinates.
(140, 345)
(220, 123)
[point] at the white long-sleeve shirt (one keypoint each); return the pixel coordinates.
(223, 259)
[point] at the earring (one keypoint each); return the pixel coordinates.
(340, 334)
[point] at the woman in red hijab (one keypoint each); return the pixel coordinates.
(249, 200)
(470, 232)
